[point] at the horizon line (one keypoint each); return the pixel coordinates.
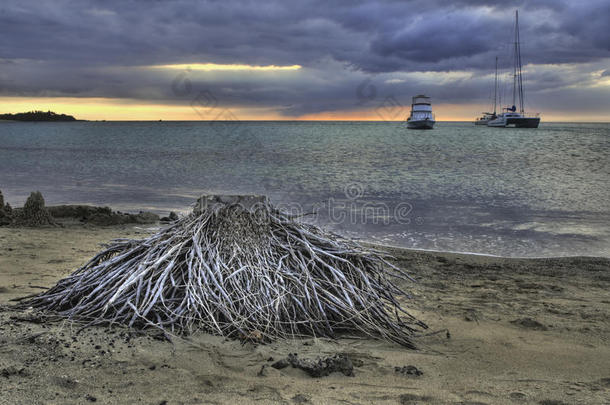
(281, 120)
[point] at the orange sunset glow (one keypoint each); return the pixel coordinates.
(97, 109)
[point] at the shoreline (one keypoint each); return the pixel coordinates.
(521, 331)
(72, 214)
(394, 247)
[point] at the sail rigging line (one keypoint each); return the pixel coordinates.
(515, 69)
(517, 36)
(496, 87)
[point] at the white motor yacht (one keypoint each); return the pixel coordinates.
(421, 113)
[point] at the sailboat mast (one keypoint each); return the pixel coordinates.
(515, 58)
(496, 87)
(520, 83)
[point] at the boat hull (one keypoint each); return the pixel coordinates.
(523, 122)
(420, 124)
(517, 122)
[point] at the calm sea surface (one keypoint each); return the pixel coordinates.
(510, 192)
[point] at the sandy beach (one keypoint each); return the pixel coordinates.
(530, 331)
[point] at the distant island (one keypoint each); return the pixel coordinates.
(37, 116)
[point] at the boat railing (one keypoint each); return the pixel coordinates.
(428, 115)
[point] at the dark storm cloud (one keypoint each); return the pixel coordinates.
(94, 48)
(364, 34)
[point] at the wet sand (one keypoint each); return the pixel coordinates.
(532, 331)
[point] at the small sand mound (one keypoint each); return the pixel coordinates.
(238, 267)
(5, 212)
(34, 212)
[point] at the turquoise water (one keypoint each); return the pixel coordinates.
(510, 192)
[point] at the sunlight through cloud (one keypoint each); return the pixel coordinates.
(225, 67)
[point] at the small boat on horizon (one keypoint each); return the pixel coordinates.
(487, 116)
(510, 117)
(421, 113)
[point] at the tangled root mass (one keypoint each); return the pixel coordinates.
(234, 266)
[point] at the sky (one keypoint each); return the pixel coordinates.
(289, 60)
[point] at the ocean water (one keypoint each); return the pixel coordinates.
(508, 192)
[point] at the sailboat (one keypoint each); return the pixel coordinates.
(510, 117)
(487, 116)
